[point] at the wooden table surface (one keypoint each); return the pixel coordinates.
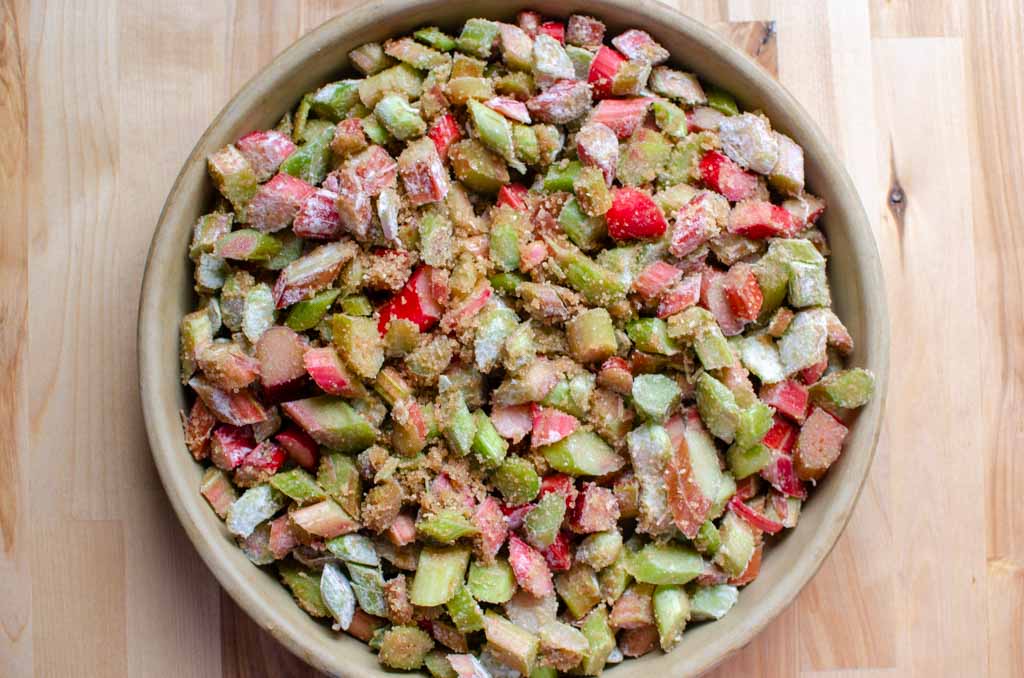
(100, 103)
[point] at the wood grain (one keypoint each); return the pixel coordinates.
(101, 102)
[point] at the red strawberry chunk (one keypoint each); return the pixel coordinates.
(560, 103)
(532, 255)
(681, 296)
(488, 519)
(318, 218)
(755, 518)
(655, 279)
(634, 214)
(559, 482)
(513, 195)
(603, 68)
(330, 374)
(299, 445)
(230, 445)
(761, 219)
(265, 151)
(551, 425)
(444, 132)
(469, 308)
(714, 298)
(529, 21)
(787, 397)
(414, 303)
(812, 374)
(513, 422)
(742, 292)
(622, 116)
(596, 510)
(555, 29)
(529, 567)
(781, 436)
(510, 108)
(557, 554)
(724, 176)
(781, 473)
(277, 202)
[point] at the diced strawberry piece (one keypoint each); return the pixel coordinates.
(761, 219)
(532, 255)
(787, 397)
(444, 132)
(299, 445)
(277, 202)
(529, 567)
(375, 168)
(512, 421)
(616, 374)
(330, 374)
(724, 176)
(596, 510)
(640, 46)
(559, 482)
(781, 473)
(513, 195)
(282, 537)
(402, 531)
(819, 444)
(681, 296)
(622, 116)
(555, 29)
(754, 518)
(703, 119)
(714, 298)
(558, 555)
(515, 515)
(781, 436)
(230, 445)
(598, 146)
(634, 214)
(414, 303)
(812, 374)
(753, 569)
(265, 150)
(510, 108)
(529, 21)
(318, 218)
(742, 292)
(469, 308)
(551, 425)
(561, 103)
(488, 518)
(198, 426)
(603, 67)
(655, 279)
(279, 353)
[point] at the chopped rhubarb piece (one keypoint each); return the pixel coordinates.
(218, 491)
(805, 209)
(444, 132)
(513, 195)
(237, 408)
(277, 202)
(811, 375)
(349, 138)
(681, 296)
(318, 219)
(781, 473)
(754, 518)
(513, 422)
(490, 522)
(639, 641)
(279, 353)
(818, 445)
(562, 483)
(603, 69)
(300, 446)
(753, 569)
(634, 608)
(699, 220)
(354, 208)
(703, 119)
(423, 173)
(332, 423)
(529, 21)
(230, 445)
(260, 464)
(640, 46)
(634, 214)
(561, 103)
(198, 427)
(363, 625)
(781, 436)
(469, 308)
(551, 425)
(747, 488)
(596, 510)
(761, 219)
(414, 303)
(742, 292)
(532, 255)
(510, 108)
(312, 272)
(655, 279)
(375, 168)
(558, 554)
(402, 531)
(598, 146)
(515, 515)
(330, 373)
(265, 151)
(324, 519)
(713, 296)
(787, 397)
(616, 375)
(584, 31)
(724, 176)
(529, 567)
(282, 537)
(622, 116)
(555, 29)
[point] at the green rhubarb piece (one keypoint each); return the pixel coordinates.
(298, 485)
(494, 583)
(354, 548)
(598, 285)
(391, 386)
(651, 336)
(544, 520)
(369, 58)
(234, 177)
(301, 117)
(337, 594)
(311, 160)
(591, 336)
(438, 666)
(642, 157)
(550, 142)
(804, 342)
(581, 60)
(334, 100)
(650, 450)
(459, 425)
(305, 586)
(359, 343)
(667, 563)
(496, 324)
(256, 546)
(572, 395)
(600, 642)
(196, 333)
(517, 481)
(712, 602)
(631, 78)
(332, 423)
(524, 141)
(584, 231)
(339, 478)
(512, 645)
(477, 37)
(407, 437)
(232, 298)
(368, 586)
(671, 611)
(722, 101)
(600, 550)
(726, 490)
(207, 231)
(560, 177)
(446, 526)
(520, 348)
(808, 285)
(416, 54)
(291, 249)
(845, 389)
(738, 544)
(435, 232)
(674, 197)
(258, 314)
(439, 574)
(376, 131)
(489, 447)
(754, 423)
(494, 130)
(436, 38)
(655, 396)
(773, 272)
(314, 128)
(717, 407)
(592, 194)
(211, 273)
(746, 461)
(401, 79)
(404, 647)
(399, 117)
(256, 505)
(670, 119)
(356, 305)
(477, 167)
(465, 611)
(462, 90)
(583, 453)
(579, 589)
(515, 84)
(614, 579)
(401, 338)
(759, 355)
(708, 540)
(504, 238)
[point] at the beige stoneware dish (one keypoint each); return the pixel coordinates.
(854, 269)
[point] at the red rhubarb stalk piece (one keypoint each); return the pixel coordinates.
(198, 426)
(318, 218)
(753, 568)
(512, 422)
(277, 202)
(551, 425)
(529, 567)
(237, 408)
(760, 219)
(472, 305)
(529, 21)
(603, 68)
(810, 375)
(655, 279)
(326, 368)
(788, 397)
(781, 473)
(413, 303)
(724, 176)
(781, 436)
(231, 445)
(444, 132)
(634, 214)
(622, 116)
(265, 150)
(402, 530)
(743, 292)
(489, 519)
(299, 445)
(754, 518)
(513, 195)
(681, 296)
(510, 108)
(596, 510)
(515, 515)
(555, 29)
(279, 352)
(559, 482)
(558, 554)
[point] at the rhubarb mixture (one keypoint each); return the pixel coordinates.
(513, 349)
